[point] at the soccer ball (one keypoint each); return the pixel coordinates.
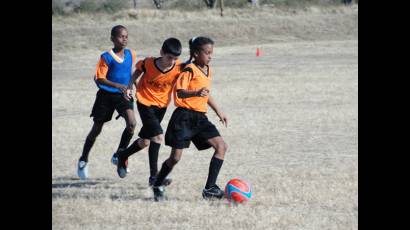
(238, 190)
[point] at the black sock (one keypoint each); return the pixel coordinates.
(214, 168)
(86, 149)
(165, 170)
(153, 157)
(133, 148)
(125, 139)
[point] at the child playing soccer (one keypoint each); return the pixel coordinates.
(189, 122)
(113, 77)
(153, 94)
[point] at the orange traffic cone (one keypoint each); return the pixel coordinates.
(258, 52)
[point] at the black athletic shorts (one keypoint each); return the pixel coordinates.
(105, 104)
(151, 117)
(188, 125)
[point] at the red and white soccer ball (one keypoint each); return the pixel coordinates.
(238, 190)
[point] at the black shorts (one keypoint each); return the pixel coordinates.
(105, 104)
(151, 117)
(187, 125)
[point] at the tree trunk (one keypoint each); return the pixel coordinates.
(221, 3)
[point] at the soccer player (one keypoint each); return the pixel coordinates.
(189, 121)
(113, 78)
(153, 95)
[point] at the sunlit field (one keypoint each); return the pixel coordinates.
(292, 129)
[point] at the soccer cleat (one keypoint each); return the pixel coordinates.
(212, 192)
(82, 170)
(122, 167)
(166, 182)
(158, 193)
(114, 159)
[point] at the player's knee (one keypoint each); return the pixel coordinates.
(144, 143)
(225, 147)
(131, 126)
(221, 148)
(158, 139)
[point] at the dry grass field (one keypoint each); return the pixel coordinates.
(292, 132)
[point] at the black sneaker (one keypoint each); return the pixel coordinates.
(122, 167)
(212, 192)
(166, 182)
(158, 193)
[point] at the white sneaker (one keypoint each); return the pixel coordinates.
(82, 170)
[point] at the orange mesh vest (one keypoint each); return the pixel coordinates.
(192, 78)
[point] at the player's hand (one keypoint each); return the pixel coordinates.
(223, 119)
(122, 88)
(128, 94)
(203, 92)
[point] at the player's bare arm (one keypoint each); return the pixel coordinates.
(202, 92)
(105, 81)
(221, 115)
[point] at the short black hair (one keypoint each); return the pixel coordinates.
(116, 30)
(172, 46)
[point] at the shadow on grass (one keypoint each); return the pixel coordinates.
(96, 188)
(75, 182)
(71, 182)
(78, 179)
(74, 185)
(130, 197)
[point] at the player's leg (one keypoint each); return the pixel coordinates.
(153, 153)
(124, 154)
(126, 109)
(102, 112)
(136, 146)
(128, 132)
(89, 141)
(126, 136)
(177, 136)
(212, 190)
(82, 165)
(151, 117)
(149, 129)
(166, 168)
(217, 159)
(207, 137)
(168, 165)
(157, 137)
